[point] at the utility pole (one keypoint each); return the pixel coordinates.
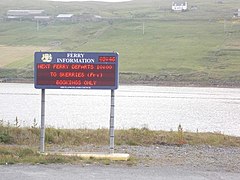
(37, 25)
(143, 28)
(224, 26)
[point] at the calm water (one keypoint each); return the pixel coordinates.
(159, 108)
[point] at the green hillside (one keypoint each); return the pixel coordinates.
(200, 46)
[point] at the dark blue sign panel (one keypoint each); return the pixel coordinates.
(75, 70)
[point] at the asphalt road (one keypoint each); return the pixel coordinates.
(88, 172)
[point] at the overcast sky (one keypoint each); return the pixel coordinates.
(93, 0)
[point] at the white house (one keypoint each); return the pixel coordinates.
(179, 6)
(65, 17)
(236, 14)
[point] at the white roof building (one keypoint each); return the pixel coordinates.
(179, 6)
(43, 18)
(24, 12)
(65, 16)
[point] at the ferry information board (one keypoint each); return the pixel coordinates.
(75, 70)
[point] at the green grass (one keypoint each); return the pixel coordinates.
(197, 45)
(21, 145)
(20, 154)
(143, 137)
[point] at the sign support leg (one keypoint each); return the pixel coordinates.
(112, 123)
(42, 134)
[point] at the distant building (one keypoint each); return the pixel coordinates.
(220, 1)
(236, 13)
(97, 17)
(14, 17)
(65, 17)
(194, 8)
(42, 19)
(179, 6)
(86, 17)
(24, 14)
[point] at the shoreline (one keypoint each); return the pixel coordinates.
(161, 89)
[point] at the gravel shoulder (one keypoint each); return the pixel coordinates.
(73, 172)
(206, 158)
(153, 162)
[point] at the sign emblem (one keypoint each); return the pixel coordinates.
(46, 57)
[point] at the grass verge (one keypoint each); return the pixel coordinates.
(13, 154)
(141, 137)
(20, 144)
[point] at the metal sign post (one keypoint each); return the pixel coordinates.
(76, 70)
(111, 130)
(42, 134)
